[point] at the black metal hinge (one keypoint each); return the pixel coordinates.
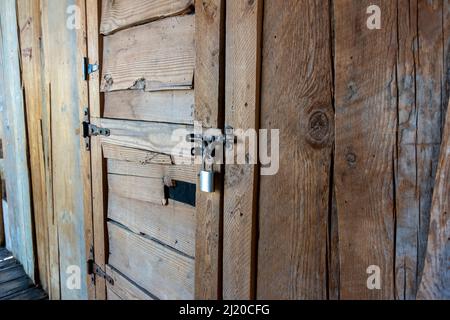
(90, 130)
(88, 68)
(94, 269)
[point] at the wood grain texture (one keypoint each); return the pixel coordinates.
(70, 169)
(121, 14)
(430, 106)
(29, 23)
(19, 220)
(158, 269)
(164, 138)
(179, 173)
(143, 157)
(132, 60)
(164, 106)
(242, 85)
(366, 118)
(173, 224)
(123, 288)
(98, 169)
(435, 284)
(138, 188)
(297, 100)
(209, 109)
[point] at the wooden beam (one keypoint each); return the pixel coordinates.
(242, 96)
(294, 202)
(366, 119)
(209, 75)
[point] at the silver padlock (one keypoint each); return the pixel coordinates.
(207, 181)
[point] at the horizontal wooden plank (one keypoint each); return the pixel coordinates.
(173, 225)
(176, 106)
(156, 56)
(139, 188)
(12, 273)
(156, 137)
(184, 173)
(123, 288)
(117, 152)
(121, 14)
(154, 267)
(111, 295)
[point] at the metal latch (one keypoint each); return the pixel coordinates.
(89, 68)
(95, 269)
(207, 151)
(90, 130)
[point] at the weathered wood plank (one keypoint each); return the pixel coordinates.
(158, 137)
(243, 43)
(296, 93)
(29, 23)
(143, 157)
(138, 188)
(131, 60)
(173, 225)
(121, 14)
(160, 270)
(64, 50)
(10, 288)
(165, 106)
(15, 141)
(435, 284)
(180, 173)
(209, 98)
(365, 147)
(430, 106)
(123, 289)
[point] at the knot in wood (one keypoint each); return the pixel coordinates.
(318, 128)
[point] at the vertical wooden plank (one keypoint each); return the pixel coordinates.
(209, 112)
(296, 98)
(430, 106)
(407, 189)
(15, 140)
(365, 146)
(97, 162)
(66, 48)
(435, 284)
(242, 97)
(29, 22)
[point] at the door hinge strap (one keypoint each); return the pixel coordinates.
(89, 68)
(95, 269)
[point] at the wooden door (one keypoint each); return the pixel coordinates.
(155, 235)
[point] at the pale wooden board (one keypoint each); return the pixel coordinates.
(164, 106)
(173, 225)
(138, 188)
(294, 203)
(111, 295)
(158, 269)
(111, 151)
(429, 109)
(209, 111)
(123, 288)
(19, 221)
(156, 56)
(164, 138)
(70, 163)
(366, 118)
(180, 173)
(121, 14)
(29, 23)
(435, 284)
(243, 43)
